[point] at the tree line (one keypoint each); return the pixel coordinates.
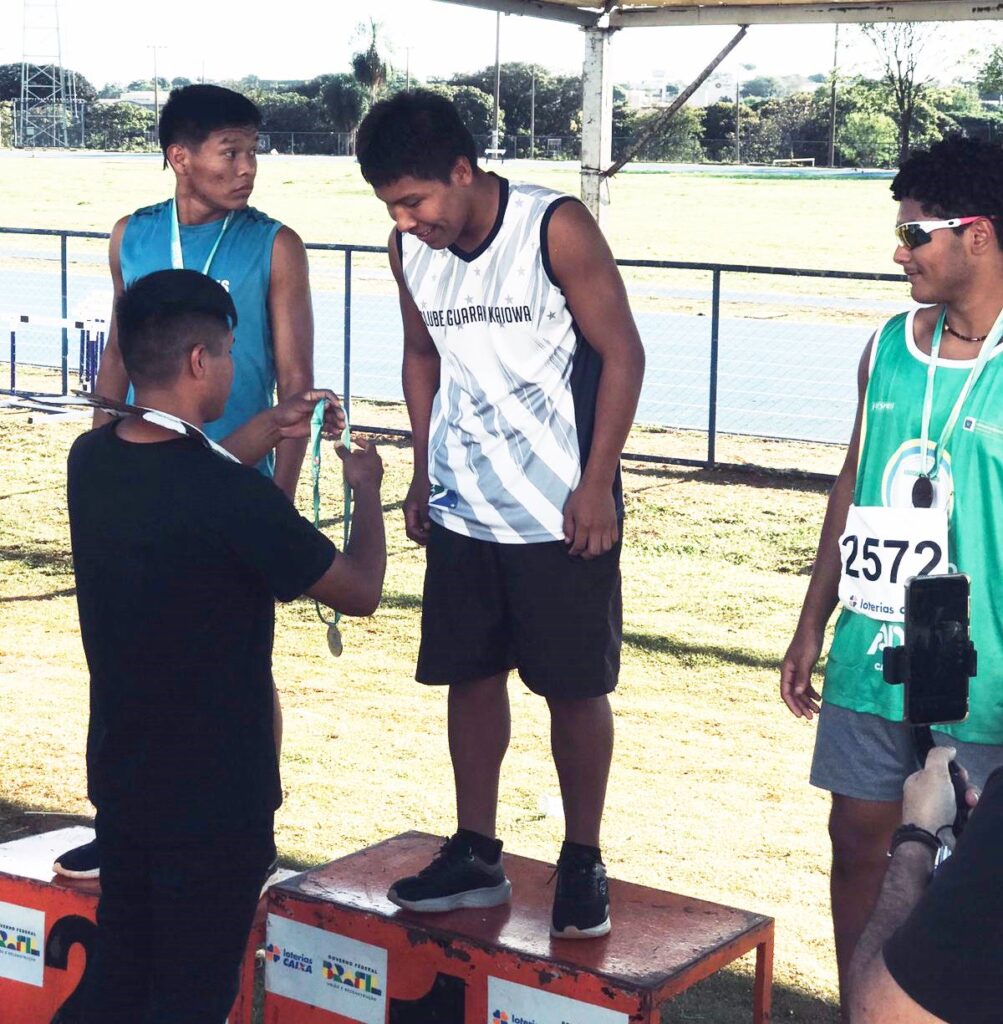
(872, 122)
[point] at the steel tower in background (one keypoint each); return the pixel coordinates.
(48, 100)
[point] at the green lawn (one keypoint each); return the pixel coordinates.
(841, 224)
(708, 794)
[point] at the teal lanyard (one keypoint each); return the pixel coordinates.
(177, 257)
(316, 425)
(985, 353)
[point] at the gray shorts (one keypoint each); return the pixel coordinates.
(869, 758)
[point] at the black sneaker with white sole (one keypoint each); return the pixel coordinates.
(457, 877)
(581, 900)
(80, 862)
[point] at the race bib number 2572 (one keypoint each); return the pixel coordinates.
(881, 548)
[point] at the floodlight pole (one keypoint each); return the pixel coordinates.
(532, 118)
(832, 101)
(494, 134)
(738, 117)
(156, 80)
(738, 107)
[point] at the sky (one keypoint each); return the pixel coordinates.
(112, 40)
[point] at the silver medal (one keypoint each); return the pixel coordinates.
(922, 492)
(334, 640)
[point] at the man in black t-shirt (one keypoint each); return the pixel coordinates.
(179, 554)
(933, 948)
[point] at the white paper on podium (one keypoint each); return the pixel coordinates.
(32, 856)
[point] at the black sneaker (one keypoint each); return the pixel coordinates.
(80, 862)
(581, 900)
(457, 877)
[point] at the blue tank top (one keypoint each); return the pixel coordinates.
(243, 265)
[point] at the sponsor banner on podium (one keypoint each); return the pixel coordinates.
(509, 1003)
(22, 938)
(326, 970)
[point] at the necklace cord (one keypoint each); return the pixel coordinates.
(960, 336)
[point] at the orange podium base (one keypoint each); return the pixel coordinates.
(338, 952)
(47, 928)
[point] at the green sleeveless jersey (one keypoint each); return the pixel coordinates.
(971, 466)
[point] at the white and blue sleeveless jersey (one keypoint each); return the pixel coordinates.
(512, 421)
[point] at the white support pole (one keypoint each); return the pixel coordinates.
(597, 118)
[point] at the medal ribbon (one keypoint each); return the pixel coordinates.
(177, 257)
(61, 403)
(180, 426)
(988, 347)
(316, 425)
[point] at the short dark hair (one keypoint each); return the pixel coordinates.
(956, 177)
(191, 113)
(160, 318)
(415, 134)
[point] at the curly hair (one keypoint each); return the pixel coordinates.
(956, 177)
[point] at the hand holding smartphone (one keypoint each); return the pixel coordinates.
(937, 658)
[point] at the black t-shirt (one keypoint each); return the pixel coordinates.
(179, 555)
(948, 954)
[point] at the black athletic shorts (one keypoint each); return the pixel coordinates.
(490, 607)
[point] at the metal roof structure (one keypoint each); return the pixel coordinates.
(600, 19)
(617, 14)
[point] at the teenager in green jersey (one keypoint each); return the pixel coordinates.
(927, 442)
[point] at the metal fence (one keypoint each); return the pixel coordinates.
(732, 350)
(326, 143)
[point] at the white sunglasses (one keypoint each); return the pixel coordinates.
(914, 233)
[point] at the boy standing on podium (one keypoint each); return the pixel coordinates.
(522, 369)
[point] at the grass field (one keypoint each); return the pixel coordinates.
(708, 794)
(841, 224)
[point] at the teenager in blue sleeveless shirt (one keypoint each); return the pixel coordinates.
(209, 137)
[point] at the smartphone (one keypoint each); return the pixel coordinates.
(940, 653)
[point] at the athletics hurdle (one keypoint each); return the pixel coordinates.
(337, 951)
(92, 342)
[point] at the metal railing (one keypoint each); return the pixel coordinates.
(721, 360)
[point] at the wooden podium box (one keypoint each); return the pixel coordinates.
(338, 952)
(47, 928)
